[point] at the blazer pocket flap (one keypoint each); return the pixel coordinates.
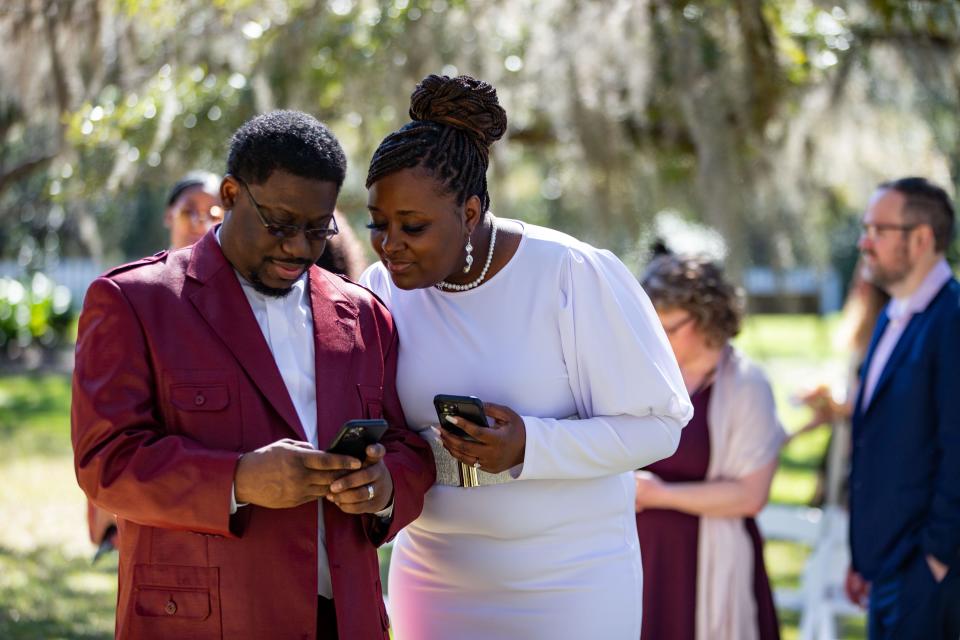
(158, 602)
(172, 591)
(371, 397)
(199, 397)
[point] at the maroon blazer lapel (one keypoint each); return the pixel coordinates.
(335, 347)
(224, 306)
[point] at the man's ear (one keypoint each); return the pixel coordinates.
(472, 213)
(924, 239)
(229, 190)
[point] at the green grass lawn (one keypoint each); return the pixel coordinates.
(48, 588)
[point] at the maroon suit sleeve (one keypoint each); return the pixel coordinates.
(124, 459)
(409, 458)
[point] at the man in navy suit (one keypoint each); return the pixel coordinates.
(905, 475)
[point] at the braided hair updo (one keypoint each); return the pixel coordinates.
(454, 122)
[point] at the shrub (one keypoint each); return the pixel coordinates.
(34, 312)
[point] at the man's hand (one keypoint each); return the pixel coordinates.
(937, 568)
(368, 490)
(287, 473)
(498, 447)
(858, 589)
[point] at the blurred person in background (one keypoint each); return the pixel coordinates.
(905, 462)
(193, 207)
(704, 576)
(861, 309)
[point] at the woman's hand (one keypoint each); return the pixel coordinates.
(499, 447)
(649, 487)
(826, 410)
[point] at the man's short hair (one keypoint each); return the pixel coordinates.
(289, 141)
(926, 203)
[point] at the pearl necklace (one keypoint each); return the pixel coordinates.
(449, 286)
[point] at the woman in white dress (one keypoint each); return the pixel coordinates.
(565, 350)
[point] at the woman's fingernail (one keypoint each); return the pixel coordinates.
(452, 420)
(336, 486)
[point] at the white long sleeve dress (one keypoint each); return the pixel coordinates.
(562, 332)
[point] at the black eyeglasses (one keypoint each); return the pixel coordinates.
(287, 231)
(871, 230)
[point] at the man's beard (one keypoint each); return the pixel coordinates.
(274, 292)
(885, 277)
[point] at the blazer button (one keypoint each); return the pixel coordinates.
(199, 400)
(170, 607)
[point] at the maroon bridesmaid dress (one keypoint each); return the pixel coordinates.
(668, 542)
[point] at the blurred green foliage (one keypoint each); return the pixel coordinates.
(33, 312)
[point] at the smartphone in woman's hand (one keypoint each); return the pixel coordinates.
(466, 407)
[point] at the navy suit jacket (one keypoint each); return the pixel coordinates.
(905, 468)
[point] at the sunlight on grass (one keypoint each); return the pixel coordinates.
(804, 337)
(42, 604)
(48, 588)
(89, 582)
(795, 481)
(785, 562)
(807, 450)
(56, 513)
(34, 416)
(792, 486)
(789, 625)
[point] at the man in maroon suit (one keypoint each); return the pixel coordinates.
(209, 380)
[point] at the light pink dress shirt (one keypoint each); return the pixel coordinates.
(900, 310)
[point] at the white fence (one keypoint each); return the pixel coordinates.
(824, 286)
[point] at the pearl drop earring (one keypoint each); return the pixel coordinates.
(469, 249)
(443, 285)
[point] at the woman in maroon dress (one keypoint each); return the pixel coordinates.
(703, 569)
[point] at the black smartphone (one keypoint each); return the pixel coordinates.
(356, 435)
(466, 407)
